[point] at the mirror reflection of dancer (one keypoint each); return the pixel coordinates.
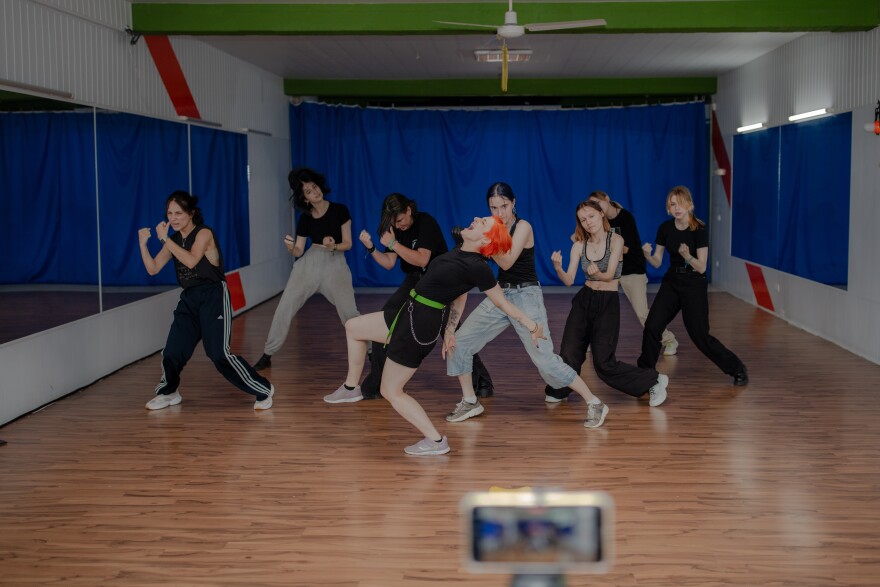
(595, 309)
(684, 287)
(322, 269)
(204, 311)
(413, 330)
(416, 238)
(518, 281)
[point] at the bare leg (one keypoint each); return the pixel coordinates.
(580, 386)
(394, 377)
(467, 387)
(357, 332)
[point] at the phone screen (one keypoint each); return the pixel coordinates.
(537, 534)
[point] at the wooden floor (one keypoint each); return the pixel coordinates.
(777, 483)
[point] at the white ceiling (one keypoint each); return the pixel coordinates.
(554, 56)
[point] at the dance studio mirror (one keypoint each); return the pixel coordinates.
(56, 269)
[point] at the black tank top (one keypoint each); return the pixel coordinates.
(203, 272)
(523, 269)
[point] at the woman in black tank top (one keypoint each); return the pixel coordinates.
(595, 310)
(204, 311)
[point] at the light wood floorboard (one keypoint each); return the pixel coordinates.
(775, 484)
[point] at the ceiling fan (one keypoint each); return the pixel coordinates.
(511, 29)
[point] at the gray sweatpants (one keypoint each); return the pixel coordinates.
(318, 271)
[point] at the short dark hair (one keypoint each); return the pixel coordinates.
(297, 178)
(188, 203)
(394, 205)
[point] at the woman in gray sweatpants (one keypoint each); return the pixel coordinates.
(322, 269)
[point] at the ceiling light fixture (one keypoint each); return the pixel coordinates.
(751, 127)
(497, 56)
(810, 114)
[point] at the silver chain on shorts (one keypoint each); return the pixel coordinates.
(413, 330)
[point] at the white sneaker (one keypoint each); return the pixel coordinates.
(670, 348)
(658, 391)
(344, 396)
(551, 400)
(266, 403)
(163, 401)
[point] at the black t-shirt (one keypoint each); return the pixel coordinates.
(671, 238)
(203, 272)
(634, 259)
(330, 224)
(454, 273)
(424, 233)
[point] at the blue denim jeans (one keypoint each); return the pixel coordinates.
(487, 321)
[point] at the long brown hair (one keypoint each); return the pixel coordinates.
(685, 199)
(604, 196)
(580, 233)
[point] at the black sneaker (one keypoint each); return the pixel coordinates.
(741, 378)
(264, 363)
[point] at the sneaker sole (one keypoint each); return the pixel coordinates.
(348, 400)
(431, 453)
(601, 419)
(173, 402)
(551, 400)
(475, 412)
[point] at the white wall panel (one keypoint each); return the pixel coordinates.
(841, 71)
(79, 46)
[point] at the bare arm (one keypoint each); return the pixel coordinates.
(568, 276)
(698, 263)
(386, 260)
(152, 264)
(657, 258)
(497, 296)
(455, 310)
(521, 239)
(297, 247)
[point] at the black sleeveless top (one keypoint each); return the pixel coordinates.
(523, 269)
(203, 272)
(602, 263)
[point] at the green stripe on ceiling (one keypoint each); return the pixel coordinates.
(417, 18)
(492, 87)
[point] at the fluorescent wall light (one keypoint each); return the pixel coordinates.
(199, 121)
(254, 131)
(748, 127)
(810, 114)
(513, 55)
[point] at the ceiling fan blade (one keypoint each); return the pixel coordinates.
(558, 26)
(482, 26)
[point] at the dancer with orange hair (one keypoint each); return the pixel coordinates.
(412, 331)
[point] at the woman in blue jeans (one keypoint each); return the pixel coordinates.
(519, 283)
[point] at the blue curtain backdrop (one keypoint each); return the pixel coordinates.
(447, 159)
(140, 162)
(755, 204)
(814, 189)
(219, 179)
(47, 194)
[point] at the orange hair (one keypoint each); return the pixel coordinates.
(499, 239)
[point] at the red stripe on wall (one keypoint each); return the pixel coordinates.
(236, 291)
(721, 155)
(759, 286)
(172, 75)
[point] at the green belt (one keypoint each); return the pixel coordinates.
(421, 300)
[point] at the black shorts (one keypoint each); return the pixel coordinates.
(427, 322)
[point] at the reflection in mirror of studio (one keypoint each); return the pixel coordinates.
(70, 240)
